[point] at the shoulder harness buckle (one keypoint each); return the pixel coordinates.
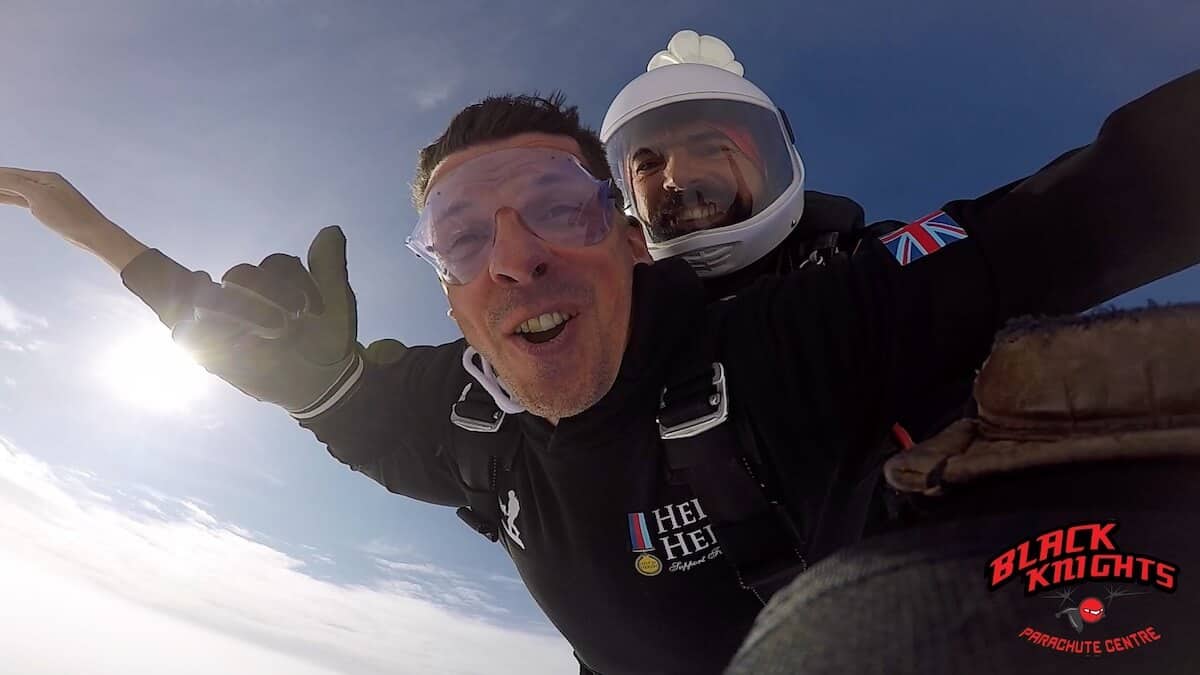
(692, 408)
(476, 412)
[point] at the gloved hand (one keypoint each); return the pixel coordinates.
(276, 331)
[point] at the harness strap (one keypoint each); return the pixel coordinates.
(484, 526)
(756, 534)
(483, 447)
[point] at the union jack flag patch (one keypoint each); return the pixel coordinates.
(923, 237)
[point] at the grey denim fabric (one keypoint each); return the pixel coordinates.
(916, 602)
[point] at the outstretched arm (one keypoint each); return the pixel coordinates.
(62, 209)
(1096, 222)
(286, 334)
(1103, 219)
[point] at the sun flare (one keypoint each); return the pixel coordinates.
(146, 369)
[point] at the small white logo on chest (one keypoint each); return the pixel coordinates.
(510, 511)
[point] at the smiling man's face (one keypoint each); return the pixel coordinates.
(693, 177)
(552, 320)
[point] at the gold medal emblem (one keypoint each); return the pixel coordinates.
(648, 565)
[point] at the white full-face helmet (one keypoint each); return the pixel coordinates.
(706, 161)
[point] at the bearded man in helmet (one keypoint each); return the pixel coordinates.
(710, 164)
(665, 462)
(711, 169)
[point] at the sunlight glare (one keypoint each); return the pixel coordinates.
(147, 369)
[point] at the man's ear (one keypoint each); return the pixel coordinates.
(636, 237)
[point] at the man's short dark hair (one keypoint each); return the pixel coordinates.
(498, 117)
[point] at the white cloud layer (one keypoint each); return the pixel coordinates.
(92, 586)
(13, 319)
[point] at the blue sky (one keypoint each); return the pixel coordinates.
(222, 131)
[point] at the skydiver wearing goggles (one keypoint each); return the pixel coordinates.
(676, 460)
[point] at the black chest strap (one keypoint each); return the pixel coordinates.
(715, 455)
(484, 446)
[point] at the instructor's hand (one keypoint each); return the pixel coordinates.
(279, 332)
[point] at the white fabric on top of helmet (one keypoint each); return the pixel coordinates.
(680, 82)
(704, 67)
(688, 46)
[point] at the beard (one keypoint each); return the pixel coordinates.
(667, 222)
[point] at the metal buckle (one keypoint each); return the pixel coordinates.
(701, 424)
(472, 423)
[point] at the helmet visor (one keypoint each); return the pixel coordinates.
(700, 165)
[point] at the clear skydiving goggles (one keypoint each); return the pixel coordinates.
(556, 199)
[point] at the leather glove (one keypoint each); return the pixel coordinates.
(276, 331)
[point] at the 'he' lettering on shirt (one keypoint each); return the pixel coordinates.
(676, 516)
(688, 512)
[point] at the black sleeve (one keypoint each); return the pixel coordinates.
(1096, 222)
(394, 427)
(850, 346)
(166, 287)
(1100, 220)
(865, 338)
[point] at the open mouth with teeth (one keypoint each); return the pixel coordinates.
(675, 220)
(544, 327)
(694, 217)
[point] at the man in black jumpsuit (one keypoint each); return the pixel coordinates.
(819, 363)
